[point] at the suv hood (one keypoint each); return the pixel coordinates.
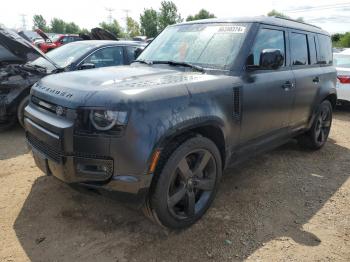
(112, 85)
(15, 49)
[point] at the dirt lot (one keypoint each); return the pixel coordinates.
(286, 205)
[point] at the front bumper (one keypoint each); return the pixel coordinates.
(75, 159)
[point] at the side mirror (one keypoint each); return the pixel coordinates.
(271, 59)
(137, 52)
(86, 66)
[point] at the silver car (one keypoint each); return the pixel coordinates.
(342, 63)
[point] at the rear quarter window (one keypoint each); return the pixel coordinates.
(325, 55)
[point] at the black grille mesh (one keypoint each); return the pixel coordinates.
(49, 151)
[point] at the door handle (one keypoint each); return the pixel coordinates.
(288, 85)
(316, 80)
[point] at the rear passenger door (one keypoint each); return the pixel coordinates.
(268, 95)
(307, 73)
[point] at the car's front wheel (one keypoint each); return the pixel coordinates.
(186, 184)
(318, 134)
(20, 110)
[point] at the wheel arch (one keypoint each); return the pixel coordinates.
(209, 127)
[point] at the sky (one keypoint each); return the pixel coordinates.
(331, 15)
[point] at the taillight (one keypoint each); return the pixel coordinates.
(344, 79)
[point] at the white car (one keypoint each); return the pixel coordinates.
(342, 63)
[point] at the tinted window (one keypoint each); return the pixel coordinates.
(110, 56)
(267, 39)
(130, 52)
(299, 51)
(325, 50)
(312, 50)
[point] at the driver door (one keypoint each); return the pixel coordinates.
(268, 95)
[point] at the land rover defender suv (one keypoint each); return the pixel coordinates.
(203, 96)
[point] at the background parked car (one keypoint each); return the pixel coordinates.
(21, 65)
(56, 41)
(342, 63)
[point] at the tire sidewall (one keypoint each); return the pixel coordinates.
(159, 199)
(324, 104)
(20, 110)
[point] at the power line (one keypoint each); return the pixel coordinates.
(23, 21)
(317, 8)
(110, 16)
(126, 11)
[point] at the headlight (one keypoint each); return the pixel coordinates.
(104, 120)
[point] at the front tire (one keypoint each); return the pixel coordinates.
(317, 136)
(187, 183)
(20, 110)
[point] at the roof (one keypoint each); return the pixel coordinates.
(110, 42)
(277, 21)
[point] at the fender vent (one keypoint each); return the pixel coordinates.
(237, 105)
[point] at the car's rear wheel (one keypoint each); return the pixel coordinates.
(318, 134)
(187, 183)
(20, 110)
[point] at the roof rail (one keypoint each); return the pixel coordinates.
(293, 20)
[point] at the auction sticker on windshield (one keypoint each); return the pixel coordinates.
(232, 29)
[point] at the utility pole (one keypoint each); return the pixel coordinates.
(126, 11)
(110, 17)
(23, 21)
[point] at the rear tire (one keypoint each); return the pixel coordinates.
(20, 110)
(186, 184)
(317, 136)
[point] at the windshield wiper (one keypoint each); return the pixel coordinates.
(143, 62)
(35, 66)
(175, 63)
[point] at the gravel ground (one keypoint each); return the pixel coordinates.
(286, 205)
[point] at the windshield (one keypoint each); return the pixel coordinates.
(342, 60)
(208, 45)
(64, 55)
(54, 37)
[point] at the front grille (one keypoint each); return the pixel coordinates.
(49, 151)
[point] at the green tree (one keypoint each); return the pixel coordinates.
(132, 27)
(345, 40)
(279, 14)
(58, 26)
(40, 23)
(168, 14)
(202, 14)
(149, 22)
(72, 28)
(84, 31)
(113, 27)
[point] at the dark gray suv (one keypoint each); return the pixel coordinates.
(203, 96)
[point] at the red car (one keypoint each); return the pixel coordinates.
(56, 41)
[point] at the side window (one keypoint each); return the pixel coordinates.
(299, 50)
(325, 50)
(130, 52)
(109, 56)
(312, 49)
(65, 40)
(267, 39)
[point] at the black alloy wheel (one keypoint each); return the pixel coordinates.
(186, 182)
